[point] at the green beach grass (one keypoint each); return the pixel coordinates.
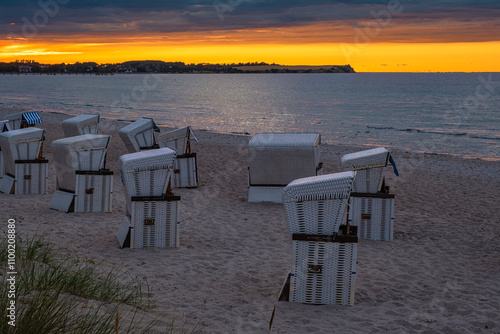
(67, 295)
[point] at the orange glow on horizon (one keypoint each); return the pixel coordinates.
(321, 44)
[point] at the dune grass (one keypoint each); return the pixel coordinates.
(66, 295)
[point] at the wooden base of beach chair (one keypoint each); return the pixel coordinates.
(323, 272)
(30, 178)
(152, 223)
(373, 214)
(185, 171)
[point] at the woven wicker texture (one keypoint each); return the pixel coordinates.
(177, 140)
(368, 180)
(78, 153)
(15, 120)
(80, 125)
(316, 205)
(93, 193)
(139, 134)
(155, 224)
(370, 165)
(31, 178)
(147, 173)
(323, 272)
(374, 217)
(279, 158)
(162, 158)
(376, 157)
(265, 140)
(185, 173)
(21, 144)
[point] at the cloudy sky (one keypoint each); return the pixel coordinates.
(393, 35)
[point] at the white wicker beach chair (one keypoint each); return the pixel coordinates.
(147, 173)
(324, 253)
(21, 144)
(317, 204)
(373, 214)
(185, 173)
(139, 135)
(80, 125)
(151, 224)
(4, 126)
(371, 207)
(82, 182)
(369, 165)
(178, 140)
(78, 153)
(323, 272)
(152, 217)
(23, 120)
(25, 168)
(279, 158)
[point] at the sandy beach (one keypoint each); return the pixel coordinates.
(441, 274)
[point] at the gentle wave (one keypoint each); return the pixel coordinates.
(410, 106)
(484, 137)
(417, 130)
(457, 134)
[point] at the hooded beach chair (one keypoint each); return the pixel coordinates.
(372, 206)
(83, 184)
(80, 125)
(4, 126)
(25, 168)
(369, 165)
(152, 214)
(140, 135)
(324, 245)
(23, 120)
(185, 169)
(279, 158)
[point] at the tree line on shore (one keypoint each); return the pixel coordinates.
(151, 66)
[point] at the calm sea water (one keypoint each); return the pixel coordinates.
(450, 113)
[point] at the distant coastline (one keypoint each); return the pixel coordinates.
(155, 66)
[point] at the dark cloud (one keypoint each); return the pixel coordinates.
(80, 17)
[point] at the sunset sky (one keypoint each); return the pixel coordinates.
(371, 36)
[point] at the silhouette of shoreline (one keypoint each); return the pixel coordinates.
(154, 66)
